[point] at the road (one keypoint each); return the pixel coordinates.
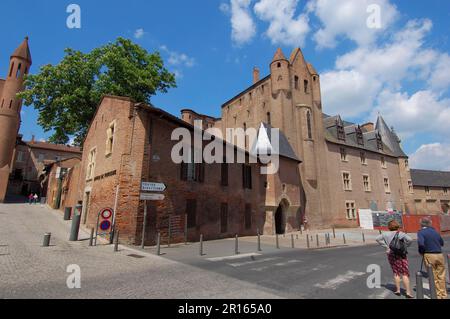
(28, 270)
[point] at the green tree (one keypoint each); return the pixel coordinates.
(67, 94)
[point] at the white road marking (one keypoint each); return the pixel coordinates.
(382, 295)
(339, 280)
(233, 257)
(245, 263)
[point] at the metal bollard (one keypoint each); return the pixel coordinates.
(185, 230)
(301, 231)
(419, 285)
(158, 244)
(75, 227)
(236, 245)
(67, 213)
(277, 241)
(292, 241)
(431, 282)
(47, 237)
(317, 240)
(201, 245)
(345, 241)
(364, 238)
(308, 245)
(91, 238)
(297, 237)
(116, 242)
(259, 241)
(334, 233)
(170, 235)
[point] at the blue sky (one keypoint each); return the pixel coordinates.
(401, 70)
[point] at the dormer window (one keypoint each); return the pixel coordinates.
(359, 136)
(340, 130)
(379, 142)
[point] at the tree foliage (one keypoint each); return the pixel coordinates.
(67, 94)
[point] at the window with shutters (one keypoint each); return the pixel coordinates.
(224, 218)
(191, 212)
(192, 172)
(248, 216)
(247, 176)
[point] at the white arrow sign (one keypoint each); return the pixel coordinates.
(153, 187)
(152, 197)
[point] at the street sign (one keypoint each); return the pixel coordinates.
(153, 187)
(153, 197)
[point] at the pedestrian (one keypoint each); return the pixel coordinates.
(36, 197)
(430, 247)
(30, 198)
(396, 243)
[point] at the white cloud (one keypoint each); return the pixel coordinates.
(243, 28)
(284, 27)
(224, 7)
(178, 59)
(139, 33)
(432, 156)
(348, 19)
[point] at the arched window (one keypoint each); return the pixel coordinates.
(279, 65)
(18, 70)
(11, 71)
(10, 103)
(308, 124)
(245, 131)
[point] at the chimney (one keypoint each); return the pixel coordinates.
(369, 127)
(32, 139)
(255, 75)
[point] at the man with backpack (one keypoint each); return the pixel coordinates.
(430, 247)
(396, 244)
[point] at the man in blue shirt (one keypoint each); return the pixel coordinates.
(430, 246)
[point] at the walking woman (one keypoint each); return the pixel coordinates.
(398, 258)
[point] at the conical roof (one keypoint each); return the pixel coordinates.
(23, 51)
(389, 138)
(278, 55)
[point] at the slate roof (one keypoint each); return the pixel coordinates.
(430, 178)
(285, 148)
(391, 142)
(54, 147)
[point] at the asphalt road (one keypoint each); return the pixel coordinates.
(28, 270)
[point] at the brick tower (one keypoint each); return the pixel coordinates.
(10, 107)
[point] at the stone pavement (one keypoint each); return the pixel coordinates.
(28, 270)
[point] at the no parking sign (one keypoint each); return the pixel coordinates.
(104, 222)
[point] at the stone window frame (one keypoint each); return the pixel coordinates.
(350, 210)
(410, 187)
(347, 181)
(90, 169)
(344, 154)
(367, 189)
(110, 138)
(387, 185)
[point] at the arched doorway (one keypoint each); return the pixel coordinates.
(280, 217)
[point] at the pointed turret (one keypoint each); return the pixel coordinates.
(23, 52)
(279, 71)
(279, 55)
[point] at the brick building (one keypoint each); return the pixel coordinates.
(129, 143)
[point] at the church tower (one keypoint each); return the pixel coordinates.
(10, 107)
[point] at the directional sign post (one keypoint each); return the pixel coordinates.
(153, 187)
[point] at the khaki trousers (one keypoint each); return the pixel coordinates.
(437, 263)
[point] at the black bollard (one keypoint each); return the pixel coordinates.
(201, 245)
(259, 241)
(345, 241)
(419, 285)
(158, 244)
(307, 242)
(67, 213)
(47, 237)
(292, 241)
(334, 233)
(236, 245)
(317, 240)
(277, 241)
(364, 238)
(116, 242)
(91, 238)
